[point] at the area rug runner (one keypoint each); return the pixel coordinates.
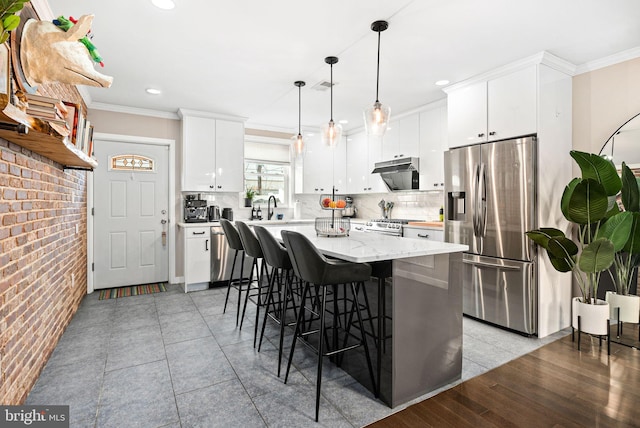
(134, 290)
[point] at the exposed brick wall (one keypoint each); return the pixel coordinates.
(41, 205)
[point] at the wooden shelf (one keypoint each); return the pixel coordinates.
(44, 138)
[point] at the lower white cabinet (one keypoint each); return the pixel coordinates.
(423, 233)
(197, 258)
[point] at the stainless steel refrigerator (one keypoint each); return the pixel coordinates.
(490, 202)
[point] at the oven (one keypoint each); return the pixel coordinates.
(386, 226)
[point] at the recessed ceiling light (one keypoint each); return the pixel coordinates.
(310, 134)
(153, 91)
(343, 121)
(442, 82)
(164, 4)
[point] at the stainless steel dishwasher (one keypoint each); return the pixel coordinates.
(222, 259)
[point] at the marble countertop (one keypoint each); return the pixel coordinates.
(363, 247)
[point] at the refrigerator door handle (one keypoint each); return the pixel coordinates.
(474, 193)
(482, 201)
(491, 265)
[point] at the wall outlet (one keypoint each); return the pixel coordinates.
(73, 280)
(77, 228)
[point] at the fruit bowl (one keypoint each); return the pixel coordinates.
(327, 226)
(333, 202)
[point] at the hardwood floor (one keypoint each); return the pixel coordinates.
(554, 386)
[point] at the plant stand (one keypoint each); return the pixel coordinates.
(591, 319)
(624, 309)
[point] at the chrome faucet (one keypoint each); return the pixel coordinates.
(275, 205)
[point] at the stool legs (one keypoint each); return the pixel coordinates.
(233, 266)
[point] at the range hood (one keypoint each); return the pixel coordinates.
(399, 174)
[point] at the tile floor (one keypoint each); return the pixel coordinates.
(175, 360)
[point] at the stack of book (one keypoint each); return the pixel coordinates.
(50, 109)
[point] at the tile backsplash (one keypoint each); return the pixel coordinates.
(406, 205)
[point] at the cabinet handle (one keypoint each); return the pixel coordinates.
(423, 236)
(316, 189)
(211, 186)
(401, 155)
(198, 233)
(368, 188)
(364, 188)
(206, 245)
(322, 189)
(481, 135)
(219, 187)
(492, 133)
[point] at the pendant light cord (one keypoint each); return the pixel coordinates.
(331, 92)
(299, 107)
(378, 69)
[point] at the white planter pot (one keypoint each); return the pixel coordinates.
(629, 307)
(593, 318)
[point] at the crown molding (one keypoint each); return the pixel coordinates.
(133, 110)
(616, 58)
(182, 112)
(543, 57)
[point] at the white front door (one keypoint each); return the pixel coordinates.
(131, 189)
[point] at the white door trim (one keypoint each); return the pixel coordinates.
(172, 200)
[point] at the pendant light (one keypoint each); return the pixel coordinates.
(298, 148)
(376, 117)
(331, 132)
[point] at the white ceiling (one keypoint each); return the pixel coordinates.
(241, 57)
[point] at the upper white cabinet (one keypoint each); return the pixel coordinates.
(433, 144)
(402, 138)
(229, 156)
(494, 109)
(362, 153)
(324, 167)
(212, 154)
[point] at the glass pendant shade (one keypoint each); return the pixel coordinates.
(376, 119)
(331, 133)
(298, 147)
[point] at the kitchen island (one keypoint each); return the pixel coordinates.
(422, 346)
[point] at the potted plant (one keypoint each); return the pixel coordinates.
(248, 196)
(8, 18)
(589, 203)
(625, 307)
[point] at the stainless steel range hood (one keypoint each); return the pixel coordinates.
(399, 174)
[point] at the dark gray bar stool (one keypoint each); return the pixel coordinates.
(235, 243)
(253, 249)
(276, 256)
(314, 268)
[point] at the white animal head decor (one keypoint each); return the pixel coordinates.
(49, 54)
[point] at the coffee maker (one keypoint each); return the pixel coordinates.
(195, 210)
(349, 210)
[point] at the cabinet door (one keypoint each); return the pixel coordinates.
(357, 164)
(229, 156)
(433, 143)
(409, 137)
(317, 174)
(198, 154)
(391, 140)
(340, 166)
(512, 104)
(376, 185)
(467, 115)
(197, 256)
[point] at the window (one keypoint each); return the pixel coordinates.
(266, 179)
(131, 163)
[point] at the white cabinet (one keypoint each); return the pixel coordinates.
(417, 232)
(212, 154)
(402, 138)
(324, 167)
(495, 109)
(229, 156)
(362, 153)
(433, 144)
(197, 258)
